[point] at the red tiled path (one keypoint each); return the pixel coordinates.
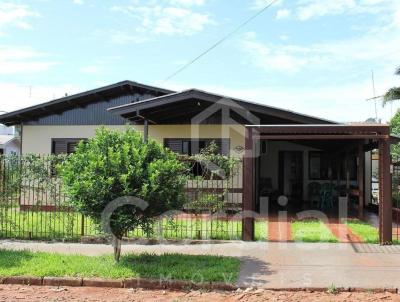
(342, 232)
(279, 229)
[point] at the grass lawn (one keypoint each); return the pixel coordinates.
(312, 231)
(62, 225)
(207, 229)
(365, 231)
(173, 266)
(261, 230)
(43, 225)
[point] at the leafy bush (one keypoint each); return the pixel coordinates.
(211, 202)
(117, 164)
(215, 164)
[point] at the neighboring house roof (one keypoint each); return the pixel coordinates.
(186, 104)
(5, 139)
(79, 99)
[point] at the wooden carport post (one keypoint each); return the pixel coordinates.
(385, 193)
(360, 180)
(248, 187)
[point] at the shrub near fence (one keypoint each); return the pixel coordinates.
(34, 206)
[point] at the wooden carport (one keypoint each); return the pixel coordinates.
(366, 137)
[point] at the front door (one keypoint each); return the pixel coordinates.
(291, 176)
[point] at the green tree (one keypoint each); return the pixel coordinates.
(395, 130)
(392, 94)
(118, 164)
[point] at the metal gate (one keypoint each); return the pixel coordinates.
(396, 198)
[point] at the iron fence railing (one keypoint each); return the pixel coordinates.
(396, 197)
(33, 205)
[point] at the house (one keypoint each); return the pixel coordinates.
(285, 153)
(9, 142)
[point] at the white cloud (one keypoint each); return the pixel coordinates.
(320, 8)
(396, 19)
(188, 2)
(20, 60)
(283, 13)
(16, 96)
(173, 17)
(15, 15)
(309, 9)
(271, 58)
(333, 55)
(260, 4)
(78, 2)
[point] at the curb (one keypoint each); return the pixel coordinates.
(153, 284)
(23, 280)
(338, 289)
(116, 283)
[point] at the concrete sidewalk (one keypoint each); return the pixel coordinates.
(273, 264)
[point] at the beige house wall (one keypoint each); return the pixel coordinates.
(37, 139)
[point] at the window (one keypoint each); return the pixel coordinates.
(64, 145)
(319, 164)
(187, 146)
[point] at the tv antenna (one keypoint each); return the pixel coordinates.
(374, 98)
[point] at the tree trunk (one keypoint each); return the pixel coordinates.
(117, 248)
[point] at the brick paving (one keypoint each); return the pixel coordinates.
(279, 229)
(342, 232)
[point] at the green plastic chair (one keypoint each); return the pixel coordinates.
(326, 195)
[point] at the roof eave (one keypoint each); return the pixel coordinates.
(15, 117)
(203, 95)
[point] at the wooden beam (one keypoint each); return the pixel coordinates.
(322, 136)
(385, 194)
(347, 171)
(248, 187)
(322, 129)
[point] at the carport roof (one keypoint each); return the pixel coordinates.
(171, 107)
(325, 135)
(360, 129)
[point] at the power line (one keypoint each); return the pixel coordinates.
(220, 41)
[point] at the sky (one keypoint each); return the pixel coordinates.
(311, 56)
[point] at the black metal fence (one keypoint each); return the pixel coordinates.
(396, 197)
(33, 205)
